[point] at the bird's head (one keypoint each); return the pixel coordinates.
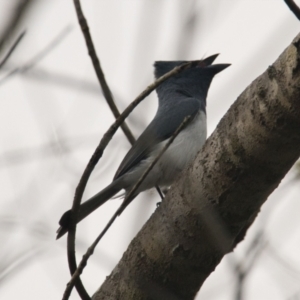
(195, 80)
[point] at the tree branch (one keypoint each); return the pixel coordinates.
(293, 7)
(209, 209)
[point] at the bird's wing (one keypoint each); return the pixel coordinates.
(161, 128)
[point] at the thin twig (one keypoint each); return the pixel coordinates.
(293, 7)
(97, 67)
(12, 48)
(126, 201)
(95, 158)
(39, 56)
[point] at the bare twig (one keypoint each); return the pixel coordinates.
(11, 50)
(293, 7)
(39, 56)
(20, 10)
(95, 158)
(100, 75)
(126, 201)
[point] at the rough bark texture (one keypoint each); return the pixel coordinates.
(208, 211)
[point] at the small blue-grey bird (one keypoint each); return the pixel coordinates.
(179, 96)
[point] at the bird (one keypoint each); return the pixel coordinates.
(178, 97)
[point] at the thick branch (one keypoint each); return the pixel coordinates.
(208, 211)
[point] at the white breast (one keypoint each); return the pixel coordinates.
(177, 157)
(183, 150)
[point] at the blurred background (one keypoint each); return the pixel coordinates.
(53, 114)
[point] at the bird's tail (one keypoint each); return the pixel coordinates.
(89, 206)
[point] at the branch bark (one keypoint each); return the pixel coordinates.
(209, 209)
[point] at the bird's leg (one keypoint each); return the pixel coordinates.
(160, 194)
